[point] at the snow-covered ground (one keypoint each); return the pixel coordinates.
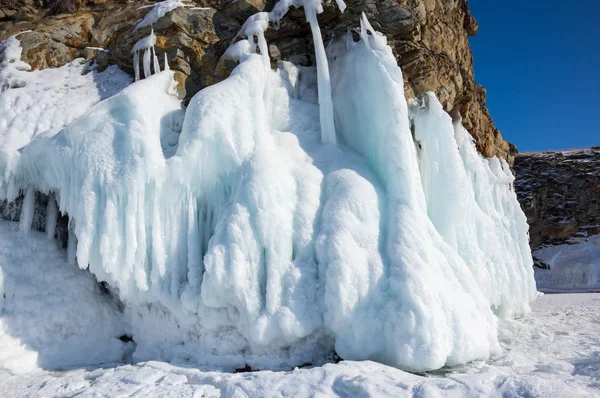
(553, 353)
(59, 338)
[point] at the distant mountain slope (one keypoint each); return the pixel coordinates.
(560, 194)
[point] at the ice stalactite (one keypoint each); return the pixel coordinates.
(166, 67)
(136, 65)
(249, 241)
(27, 210)
(149, 58)
(324, 91)
(71, 246)
(146, 62)
(51, 216)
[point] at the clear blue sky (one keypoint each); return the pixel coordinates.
(540, 63)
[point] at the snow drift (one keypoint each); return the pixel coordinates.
(240, 233)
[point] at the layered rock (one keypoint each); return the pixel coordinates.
(429, 37)
(560, 194)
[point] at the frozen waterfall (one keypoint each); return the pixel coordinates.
(235, 232)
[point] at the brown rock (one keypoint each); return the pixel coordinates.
(560, 194)
(429, 38)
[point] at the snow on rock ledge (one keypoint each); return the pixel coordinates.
(41, 102)
(251, 241)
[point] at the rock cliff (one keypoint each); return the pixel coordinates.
(429, 38)
(560, 194)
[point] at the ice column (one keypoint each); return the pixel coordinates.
(311, 9)
(27, 210)
(72, 244)
(136, 65)
(155, 59)
(51, 216)
(166, 63)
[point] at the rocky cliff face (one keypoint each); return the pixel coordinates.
(560, 194)
(429, 37)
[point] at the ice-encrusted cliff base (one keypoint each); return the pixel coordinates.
(238, 232)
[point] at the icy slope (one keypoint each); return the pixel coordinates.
(254, 239)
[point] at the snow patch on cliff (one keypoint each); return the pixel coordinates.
(41, 102)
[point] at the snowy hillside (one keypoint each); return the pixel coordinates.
(285, 216)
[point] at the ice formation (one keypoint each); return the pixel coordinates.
(149, 60)
(52, 315)
(255, 26)
(242, 236)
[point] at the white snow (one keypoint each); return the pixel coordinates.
(553, 353)
(59, 337)
(98, 48)
(574, 265)
(35, 103)
(244, 239)
(52, 315)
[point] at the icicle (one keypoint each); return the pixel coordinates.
(72, 245)
(136, 64)
(51, 217)
(259, 22)
(341, 5)
(146, 44)
(146, 60)
(166, 63)
(27, 210)
(323, 79)
(155, 58)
